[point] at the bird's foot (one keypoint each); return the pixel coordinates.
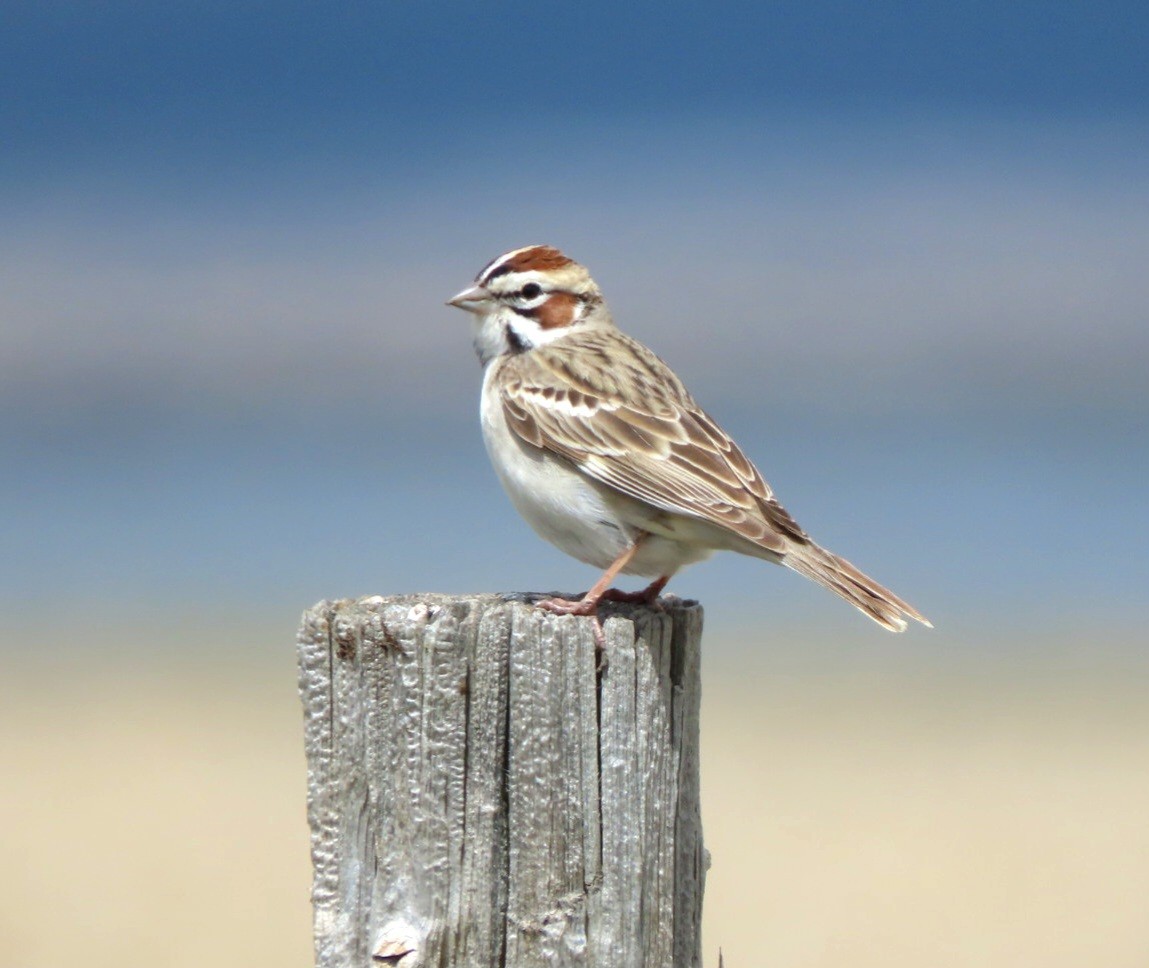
(564, 606)
(584, 606)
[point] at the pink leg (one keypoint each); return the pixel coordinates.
(588, 604)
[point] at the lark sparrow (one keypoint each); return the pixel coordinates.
(607, 456)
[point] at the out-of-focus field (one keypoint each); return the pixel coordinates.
(152, 810)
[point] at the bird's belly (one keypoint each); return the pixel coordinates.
(557, 501)
(583, 518)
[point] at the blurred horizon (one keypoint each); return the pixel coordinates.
(933, 347)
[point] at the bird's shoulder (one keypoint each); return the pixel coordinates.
(598, 367)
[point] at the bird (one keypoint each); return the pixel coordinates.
(605, 453)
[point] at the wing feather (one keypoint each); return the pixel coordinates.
(616, 411)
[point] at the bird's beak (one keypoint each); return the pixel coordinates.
(472, 300)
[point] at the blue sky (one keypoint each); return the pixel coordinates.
(241, 81)
(898, 249)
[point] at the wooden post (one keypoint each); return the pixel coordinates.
(481, 794)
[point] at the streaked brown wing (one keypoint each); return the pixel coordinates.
(654, 444)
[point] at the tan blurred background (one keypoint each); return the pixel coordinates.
(971, 811)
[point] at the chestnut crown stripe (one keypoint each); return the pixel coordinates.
(534, 258)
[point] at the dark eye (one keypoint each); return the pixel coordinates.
(531, 290)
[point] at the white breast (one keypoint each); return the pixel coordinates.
(562, 505)
(583, 518)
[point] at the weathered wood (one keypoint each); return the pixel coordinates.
(480, 794)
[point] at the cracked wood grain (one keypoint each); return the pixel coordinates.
(482, 794)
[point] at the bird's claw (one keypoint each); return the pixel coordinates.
(564, 606)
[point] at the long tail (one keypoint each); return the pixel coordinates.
(861, 591)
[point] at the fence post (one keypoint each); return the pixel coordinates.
(482, 793)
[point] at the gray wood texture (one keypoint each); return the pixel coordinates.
(481, 794)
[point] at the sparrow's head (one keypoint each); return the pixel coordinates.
(528, 297)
